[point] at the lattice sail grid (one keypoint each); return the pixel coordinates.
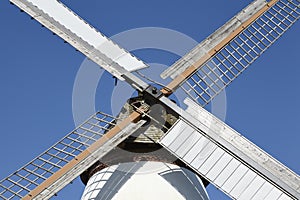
(239, 53)
(20, 183)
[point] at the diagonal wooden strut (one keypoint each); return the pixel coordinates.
(98, 149)
(175, 83)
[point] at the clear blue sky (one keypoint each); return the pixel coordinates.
(38, 70)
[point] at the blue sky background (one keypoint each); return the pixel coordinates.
(37, 73)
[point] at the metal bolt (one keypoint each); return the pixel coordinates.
(154, 90)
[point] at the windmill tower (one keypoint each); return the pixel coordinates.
(231, 50)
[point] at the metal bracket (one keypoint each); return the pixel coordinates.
(153, 91)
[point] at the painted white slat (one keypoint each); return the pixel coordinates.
(177, 130)
(284, 197)
(234, 178)
(228, 170)
(211, 160)
(205, 152)
(218, 168)
(177, 142)
(190, 156)
(273, 195)
(252, 189)
(244, 183)
(190, 141)
(263, 191)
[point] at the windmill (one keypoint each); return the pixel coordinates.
(290, 2)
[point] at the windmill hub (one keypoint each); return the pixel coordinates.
(142, 144)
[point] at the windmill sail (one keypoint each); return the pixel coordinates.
(70, 27)
(48, 173)
(205, 144)
(226, 159)
(213, 64)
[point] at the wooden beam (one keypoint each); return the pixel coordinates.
(43, 187)
(174, 84)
